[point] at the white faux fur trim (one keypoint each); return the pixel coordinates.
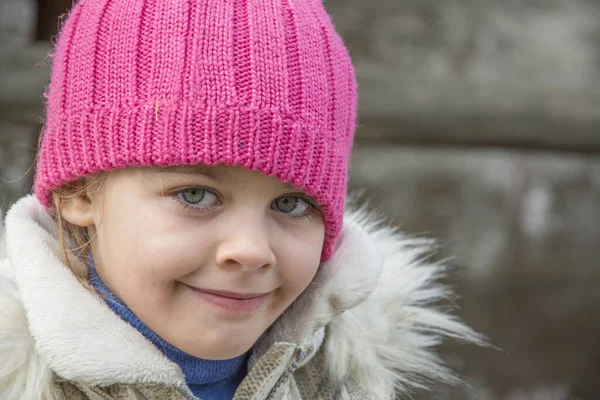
(23, 373)
(369, 309)
(386, 343)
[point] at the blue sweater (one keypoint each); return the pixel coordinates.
(207, 379)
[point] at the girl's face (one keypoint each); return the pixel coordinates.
(207, 257)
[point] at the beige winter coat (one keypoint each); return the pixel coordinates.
(363, 330)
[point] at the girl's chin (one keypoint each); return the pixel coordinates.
(219, 345)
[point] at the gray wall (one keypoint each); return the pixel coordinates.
(477, 71)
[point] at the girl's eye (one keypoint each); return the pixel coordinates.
(292, 205)
(198, 197)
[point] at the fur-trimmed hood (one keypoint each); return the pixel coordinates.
(370, 311)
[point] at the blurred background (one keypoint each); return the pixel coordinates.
(479, 125)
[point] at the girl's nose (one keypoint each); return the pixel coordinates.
(246, 245)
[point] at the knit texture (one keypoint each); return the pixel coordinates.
(266, 85)
(207, 379)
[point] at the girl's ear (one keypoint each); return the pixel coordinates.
(78, 210)
(77, 202)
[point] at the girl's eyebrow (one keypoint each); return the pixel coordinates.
(189, 172)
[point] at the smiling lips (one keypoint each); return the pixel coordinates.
(236, 302)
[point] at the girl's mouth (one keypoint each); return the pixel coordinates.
(232, 301)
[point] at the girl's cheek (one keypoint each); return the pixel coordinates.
(302, 268)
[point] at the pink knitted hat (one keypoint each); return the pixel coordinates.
(263, 84)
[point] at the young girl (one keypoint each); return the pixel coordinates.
(186, 237)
